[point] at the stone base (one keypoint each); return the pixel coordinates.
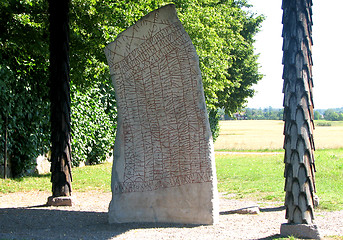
(193, 203)
(60, 201)
(300, 231)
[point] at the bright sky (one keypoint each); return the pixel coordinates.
(327, 52)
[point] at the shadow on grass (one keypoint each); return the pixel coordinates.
(42, 223)
(34, 175)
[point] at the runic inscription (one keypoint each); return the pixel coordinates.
(163, 139)
(164, 129)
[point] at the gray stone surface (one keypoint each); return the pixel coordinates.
(163, 168)
(60, 201)
(247, 210)
(43, 165)
(300, 231)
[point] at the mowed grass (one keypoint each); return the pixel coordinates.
(267, 135)
(329, 178)
(256, 177)
(96, 177)
(260, 177)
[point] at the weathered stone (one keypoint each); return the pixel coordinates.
(43, 165)
(60, 201)
(163, 168)
(247, 210)
(300, 231)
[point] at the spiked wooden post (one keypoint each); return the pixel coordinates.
(60, 103)
(298, 118)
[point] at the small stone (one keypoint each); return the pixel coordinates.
(43, 165)
(60, 201)
(316, 200)
(248, 210)
(300, 231)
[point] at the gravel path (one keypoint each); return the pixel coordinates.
(24, 216)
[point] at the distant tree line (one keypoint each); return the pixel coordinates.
(277, 114)
(255, 114)
(329, 114)
(263, 114)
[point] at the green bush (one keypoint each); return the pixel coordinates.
(93, 123)
(26, 112)
(214, 116)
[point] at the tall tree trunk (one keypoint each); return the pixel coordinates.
(60, 98)
(5, 148)
(298, 111)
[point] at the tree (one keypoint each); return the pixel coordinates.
(298, 114)
(222, 32)
(60, 98)
(340, 117)
(24, 98)
(24, 87)
(95, 128)
(331, 115)
(317, 115)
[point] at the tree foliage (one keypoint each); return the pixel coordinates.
(221, 30)
(332, 115)
(24, 98)
(263, 114)
(94, 124)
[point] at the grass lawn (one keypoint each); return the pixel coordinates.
(97, 177)
(248, 176)
(260, 177)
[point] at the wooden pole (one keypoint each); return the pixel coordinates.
(60, 98)
(299, 120)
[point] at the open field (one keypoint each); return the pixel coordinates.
(268, 135)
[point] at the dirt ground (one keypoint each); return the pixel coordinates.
(24, 216)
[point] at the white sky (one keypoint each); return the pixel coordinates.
(327, 52)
